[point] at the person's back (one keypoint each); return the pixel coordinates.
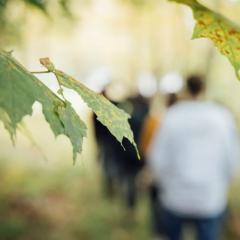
(193, 159)
(197, 152)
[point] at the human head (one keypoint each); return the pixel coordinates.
(195, 85)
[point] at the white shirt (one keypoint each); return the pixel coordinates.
(193, 158)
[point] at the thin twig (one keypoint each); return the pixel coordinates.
(39, 72)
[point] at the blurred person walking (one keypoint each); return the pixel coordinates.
(121, 166)
(131, 165)
(193, 160)
(110, 154)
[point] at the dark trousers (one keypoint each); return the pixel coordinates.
(205, 228)
(155, 210)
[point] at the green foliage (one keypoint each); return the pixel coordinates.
(224, 33)
(139, 4)
(115, 119)
(19, 89)
(41, 4)
(12, 25)
(7, 123)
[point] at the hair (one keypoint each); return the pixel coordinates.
(195, 85)
(171, 99)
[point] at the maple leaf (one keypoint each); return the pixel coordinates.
(115, 119)
(19, 90)
(7, 123)
(224, 33)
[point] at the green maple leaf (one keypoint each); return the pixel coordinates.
(115, 119)
(7, 123)
(74, 128)
(19, 89)
(224, 33)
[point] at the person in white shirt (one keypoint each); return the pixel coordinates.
(193, 158)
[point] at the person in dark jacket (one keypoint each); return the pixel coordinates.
(109, 153)
(121, 165)
(131, 165)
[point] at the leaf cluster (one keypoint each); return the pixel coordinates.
(20, 89)
(11, 25)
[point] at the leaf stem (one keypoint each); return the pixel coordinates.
(60, 91)
(39, 72)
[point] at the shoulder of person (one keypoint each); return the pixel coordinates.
(222, 112)
(221, 108)
(178, 107)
